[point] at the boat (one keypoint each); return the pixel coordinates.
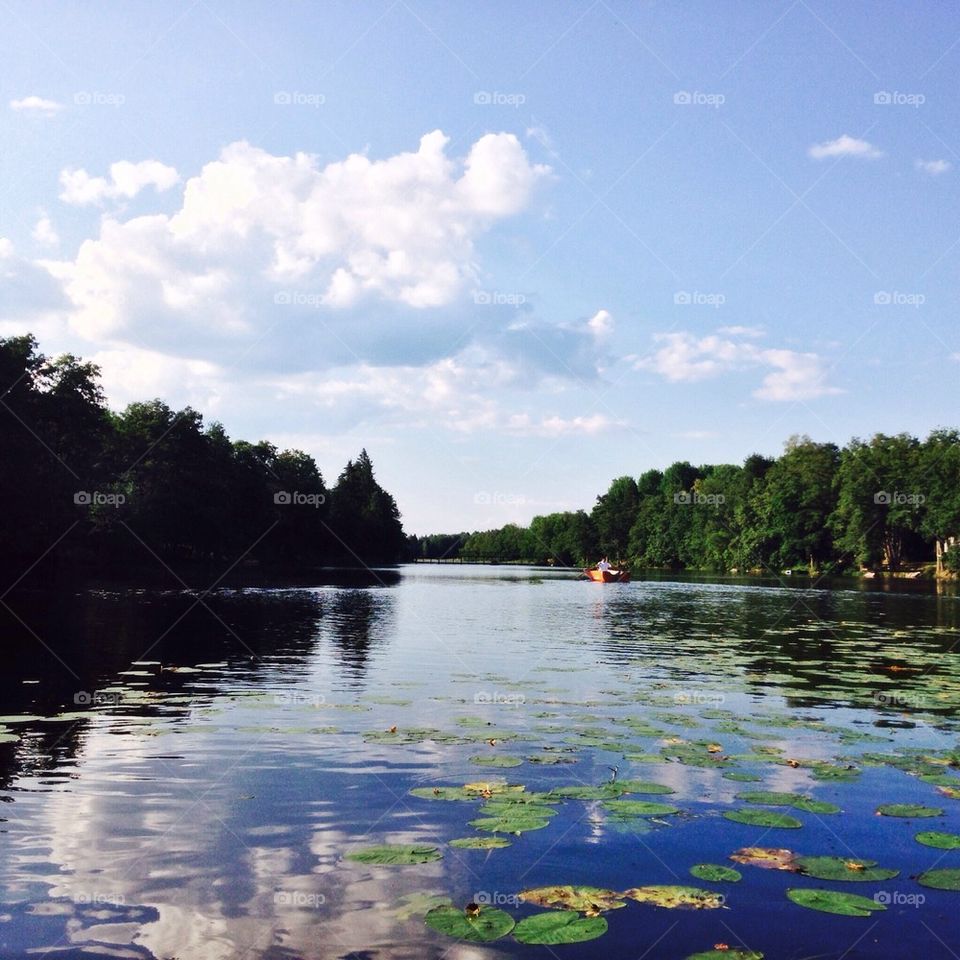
(608, 576)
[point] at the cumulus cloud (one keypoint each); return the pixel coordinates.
(601, 324)
(260, 239)
(126, 180)
(36, 106)
(686, 358)
(844, 146)
(933, 167)
(44, 233)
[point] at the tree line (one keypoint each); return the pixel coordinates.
(885, 503)
(88, 490)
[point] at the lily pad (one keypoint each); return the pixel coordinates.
(797, 800)
(396, 854)
(830, 901)
(640, 786)
(769, 858)
(841, 868)
(589, 900)
(763, 818)
(727, 954)
(559, 926)
(910, 810)
(674, 897)
(510, 823)
(739, 777)
(496, 760)
(942, 841)
(481, 924)
(946, 879)
(639, 808)
(480, 843)
(417, 904)
(715, 873)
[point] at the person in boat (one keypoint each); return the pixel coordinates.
(604, 565)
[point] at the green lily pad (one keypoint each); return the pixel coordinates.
(797, 800)
(559, 926)
(715, 873)
(482, 924)
(584, 793)
(495, 760)
(809, 805)
(840, 868)
(947, 879)
(830, 901)
(480, 843)
(639, 808)
(588, 900)
(639, 786)
(763, 818)
(910, 810)
(942, 841)
(442, 793)
(510, 824)
(674, 897)
(396, 854)
(739, 777)
(417, 904)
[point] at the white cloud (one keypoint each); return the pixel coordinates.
(844, 146)
(601, 324)
(933, 167)
(685, 358)
(36, 105)
(125, 182)
(44, 233)
(251, 224)
(737, 331)
(6, 248)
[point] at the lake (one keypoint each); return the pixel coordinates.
(204, 776)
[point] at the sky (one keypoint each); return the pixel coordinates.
(514, 250)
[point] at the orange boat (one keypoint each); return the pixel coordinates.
(608, 576)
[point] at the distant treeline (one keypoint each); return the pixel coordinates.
(879, 504)
(88, 490)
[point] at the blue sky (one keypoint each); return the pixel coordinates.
(515, 250)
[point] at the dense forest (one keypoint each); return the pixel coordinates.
(88, 490)
(886, 504)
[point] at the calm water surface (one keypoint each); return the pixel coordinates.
(184, 775)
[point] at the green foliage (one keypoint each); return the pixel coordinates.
(876, 504)
(153, 488)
